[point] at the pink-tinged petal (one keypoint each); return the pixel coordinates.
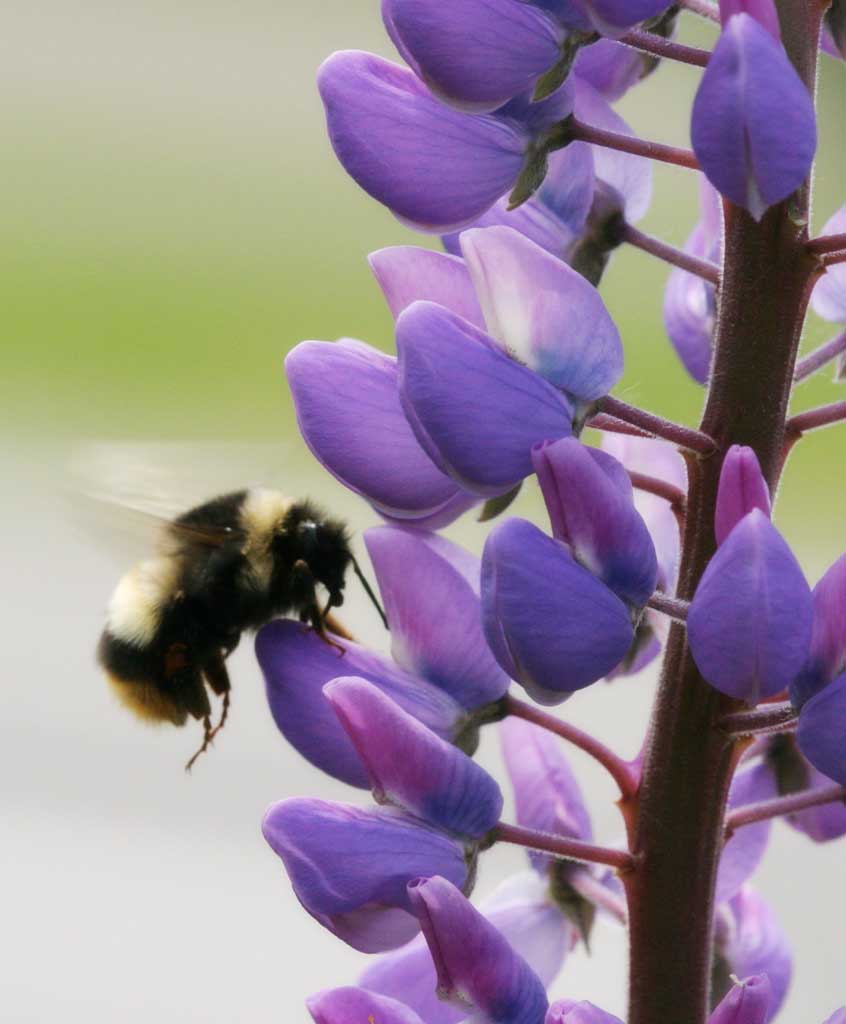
(346, 397)
(470, 403)
(749, 624)
(420, 575)
(519, 908)
(595, 518)
(747, 1003)
(297, 664)
(742, 488)
(568, 1011)
(763, 11)
(546, 793)
(550, 623)
(408, 765)
(751, 941)
(475, 54)
(353, 1005)
(743, 852)
(822, 730)
(475, 963)
(827, 656)
(543, 312)
(407, 273)
(532, 219)
(829, 295)
(753, 126)
(432, 166)
(362, 896)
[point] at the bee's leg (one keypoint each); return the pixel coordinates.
(217, 678)
(333, 624)
(208, 735)
(310, 610)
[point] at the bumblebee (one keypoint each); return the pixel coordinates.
(227, 565)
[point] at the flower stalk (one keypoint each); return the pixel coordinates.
(705, 269)
(567, 849)
(578, 130)
(783, 805)
(647, 42)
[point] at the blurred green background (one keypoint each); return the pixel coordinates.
(172, 222)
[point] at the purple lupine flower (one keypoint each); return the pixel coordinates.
(361, 896)
(568, 1011)
(822, 727)
(746, 1003)
(827, 653)
(434, 167)
(750, 941)
(612, 68)
(475, 964)
(749, 624)
(745, 849)
(349, 1004)
(347, 403)
(475, 55)
(408, 765)
(690, 306)
(753, 124)
(742, 488)
(595, 517)
(611, 17)
(763, 11)
(838, 1017)
(661, 460)
(793, 773)
(443, 670)
(551, 624)
(481, 435)
(520, 909)
(829, 295)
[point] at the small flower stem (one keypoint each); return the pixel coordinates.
(835, 257)
(653, 485)
(621, 771)
(614, 426)
(815, 360)
(589, 886)
(559, 846)
(631, 144)
(660, 47)
(781, 805)
(677, 257)
(824, 244)
(702, 8)
(813, 419)
(670, 606)
(684, 437)
(772, 718)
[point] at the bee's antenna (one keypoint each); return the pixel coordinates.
(369, 591)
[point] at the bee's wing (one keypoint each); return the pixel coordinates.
(128, 494)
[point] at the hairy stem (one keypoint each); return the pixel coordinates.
(781, 805)
(689, 759)
(621, 771)
(660, 47)
(670, 606)
(773, 718)
(684, 437)
(813, 419)
(568, 849)
(824, 244)
(631, 144)
(815, 360)
(670, 254)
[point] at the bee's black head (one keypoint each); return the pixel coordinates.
(323, 544)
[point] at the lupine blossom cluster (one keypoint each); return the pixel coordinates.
(498, 134)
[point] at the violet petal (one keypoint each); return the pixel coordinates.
(407, 273)
(345, 1005)
(742, 488)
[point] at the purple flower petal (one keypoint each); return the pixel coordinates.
(347, 403)
(829, 295)
(753, 127)
(838, 1017)
(347, 1005)
(613, 17)
(611, 68)
(823, 823)
(475, 54)
(543, 313)
(749, 624)
(742, 488)
(827, 655)
(751, 941)
(746, 1003)
(743, 852)
(546, 793)
(533, 219)
(763, 11)
(410, 766)
(550, 623)
(568, 1011)
(432, 166)
(519, 908)
(362, 896)
(297, 664)
(474, 962)
(407, 273)
(822, 730)
(419, 576)
(597, 520)
(479, 409)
